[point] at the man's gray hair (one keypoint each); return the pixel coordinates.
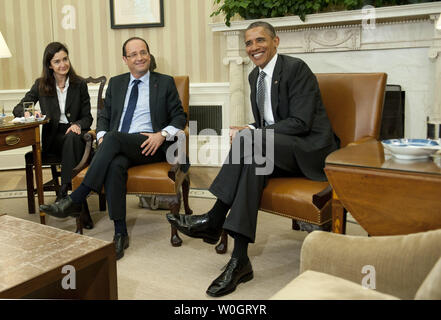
(268, 27)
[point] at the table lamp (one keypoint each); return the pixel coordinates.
(4, 53)
(4, 50)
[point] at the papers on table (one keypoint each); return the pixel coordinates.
(29, 119)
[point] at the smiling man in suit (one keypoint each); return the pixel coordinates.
(286, 104)
(141, 116)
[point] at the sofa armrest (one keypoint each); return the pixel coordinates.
(400, 263)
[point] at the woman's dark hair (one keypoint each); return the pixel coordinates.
(47, 80)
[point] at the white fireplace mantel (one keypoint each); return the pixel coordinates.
(422, 10)
(399, 40)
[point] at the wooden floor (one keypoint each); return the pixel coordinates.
(13, 180)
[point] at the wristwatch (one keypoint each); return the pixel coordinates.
(164, 133)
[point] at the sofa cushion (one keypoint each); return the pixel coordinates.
(430, 289)
(143, 179)
(150, 179)
(312, 285)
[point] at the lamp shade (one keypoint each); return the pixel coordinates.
(438, 23)
(4, 50)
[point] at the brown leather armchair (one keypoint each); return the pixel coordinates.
(160, 178)
(354, 103)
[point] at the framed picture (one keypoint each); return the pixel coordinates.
(136, 13)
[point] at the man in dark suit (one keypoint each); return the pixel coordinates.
(286, 104)
(142, 110)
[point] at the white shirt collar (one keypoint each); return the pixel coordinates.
(144, 79)
(269, 68)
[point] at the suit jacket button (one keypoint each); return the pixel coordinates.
(67, 114)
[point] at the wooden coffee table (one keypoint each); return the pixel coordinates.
(384, 195)
(32, 257)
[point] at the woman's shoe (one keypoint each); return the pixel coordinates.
(62, 192)
(63, 208)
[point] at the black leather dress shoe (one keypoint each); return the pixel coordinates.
(121, 243)
(63, 208)
(195, 226)
(234, 273)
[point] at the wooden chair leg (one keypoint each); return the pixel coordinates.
(102, 201)
(222, 247)
(175, 240)
(79, 225)
(79, 220)
(30, 188)
(185, 193)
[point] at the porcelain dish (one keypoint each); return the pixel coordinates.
(411, 148)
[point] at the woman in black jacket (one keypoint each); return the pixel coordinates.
(65, 100)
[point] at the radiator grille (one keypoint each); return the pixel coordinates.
(207, 117)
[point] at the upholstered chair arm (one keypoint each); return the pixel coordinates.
(92, 134)
(397, 264)
(321, 198)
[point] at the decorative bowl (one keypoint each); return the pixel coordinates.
(411, 148)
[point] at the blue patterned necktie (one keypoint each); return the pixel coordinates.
(261, 97)
(130, 107)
